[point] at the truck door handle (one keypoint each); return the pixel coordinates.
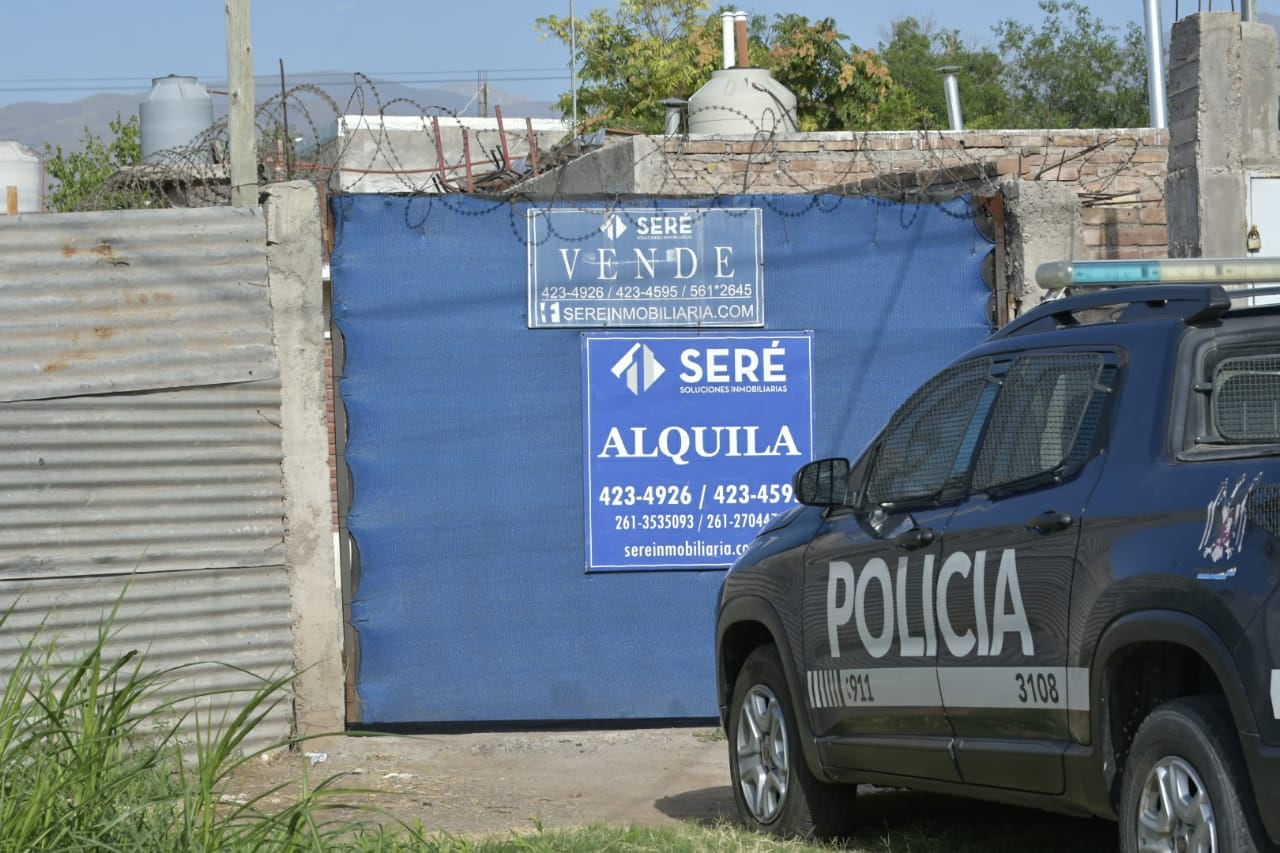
(917, 537)
(1050, 522)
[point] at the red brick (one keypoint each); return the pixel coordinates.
(890, 141)
(1074, 140)
(801, 147)
(1009, 166)
(984, 140)
(854, 144)
(709, 146)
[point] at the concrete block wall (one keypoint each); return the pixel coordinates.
(1223, 126)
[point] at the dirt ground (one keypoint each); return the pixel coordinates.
(479, 784)
(482, 784)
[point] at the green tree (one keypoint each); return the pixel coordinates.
(657, 49)
(914, 55)
(837, 86)
(626, 65)
(82, 176)
(1073, 71)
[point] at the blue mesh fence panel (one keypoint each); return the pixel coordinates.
(465, 446)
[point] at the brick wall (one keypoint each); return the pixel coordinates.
(1119, 175)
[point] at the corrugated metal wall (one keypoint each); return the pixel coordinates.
(140, 445)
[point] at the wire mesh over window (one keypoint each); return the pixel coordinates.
(920, 444)
(1092, 419)
(1035, 426)
(1246, 399)
(1264, 508)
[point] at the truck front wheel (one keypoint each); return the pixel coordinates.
(773, 787)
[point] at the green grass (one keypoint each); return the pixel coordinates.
(901, 823)
(715, 735)
(93, 758)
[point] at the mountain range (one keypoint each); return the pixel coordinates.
(314, 102)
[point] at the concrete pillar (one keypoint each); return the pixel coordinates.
(1259, 108)
(1042, 224)
(1222, 126)
(294, 257)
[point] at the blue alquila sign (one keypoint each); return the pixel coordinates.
(690, 443)
(645, 267)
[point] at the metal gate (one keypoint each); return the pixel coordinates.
(467, 515)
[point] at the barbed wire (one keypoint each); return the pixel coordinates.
(428, 154)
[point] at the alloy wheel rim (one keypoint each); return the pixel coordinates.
(763, 758)
(1174, 811)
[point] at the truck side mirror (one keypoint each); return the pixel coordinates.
(822, 483)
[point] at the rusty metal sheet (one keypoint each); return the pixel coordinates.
(116, 301)
(142, 482)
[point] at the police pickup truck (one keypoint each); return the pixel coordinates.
(1051, 580)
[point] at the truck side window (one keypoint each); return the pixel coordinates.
(1035, 428)
(919, 447)
(1245, 402)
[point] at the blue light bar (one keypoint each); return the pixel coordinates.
(1061, 274)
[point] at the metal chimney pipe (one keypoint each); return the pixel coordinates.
(1155, 65)
(1248, 10)
(740, 21)
(674, 107)
(952, 90)
(726, 37)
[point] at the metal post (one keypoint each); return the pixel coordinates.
(1248, 10)
(1155, 65)
(444, 171)
(533, 145)
(573, 65)
(466, 159)
(284, 113)
(502, 137)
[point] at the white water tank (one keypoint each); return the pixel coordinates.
(742, 101)
(175, 111)
(22, 169)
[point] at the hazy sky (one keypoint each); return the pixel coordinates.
(63, 50)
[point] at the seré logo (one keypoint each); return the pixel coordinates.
(1226, 518)
(613, 227)
(639, 368)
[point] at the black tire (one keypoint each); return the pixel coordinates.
(772, 785)
(1185, 781)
